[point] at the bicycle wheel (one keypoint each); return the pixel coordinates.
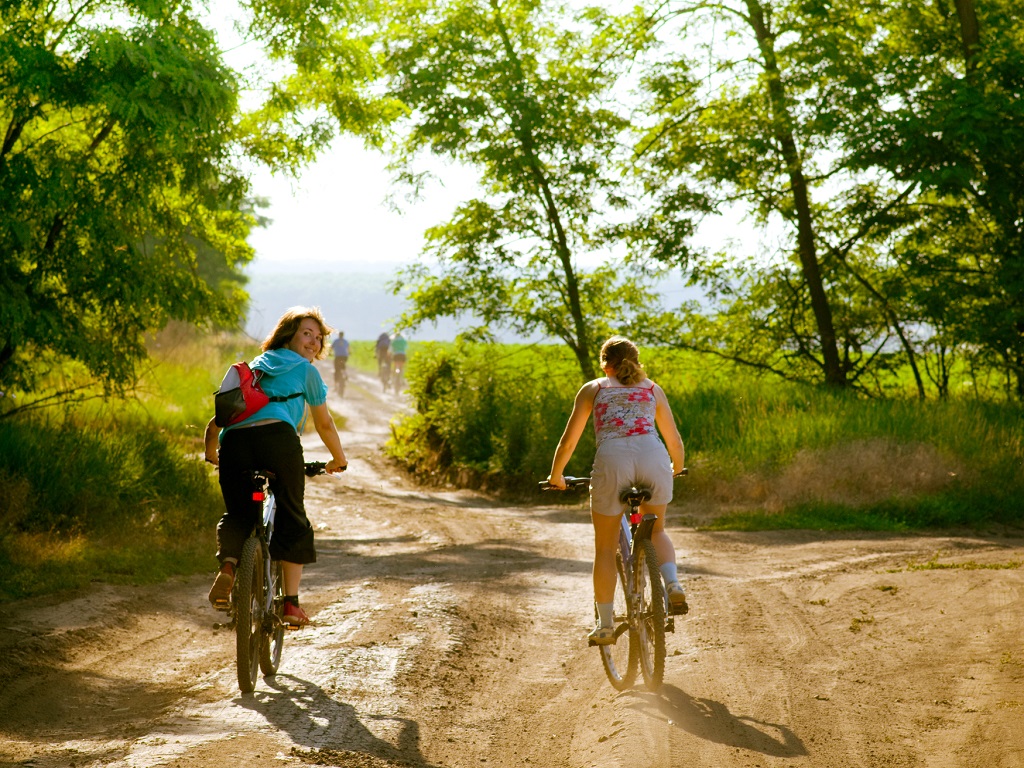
(249, 615)
(621, 660)
(649, 620)
(273, 624)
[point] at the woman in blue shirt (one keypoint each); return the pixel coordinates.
(269, 440)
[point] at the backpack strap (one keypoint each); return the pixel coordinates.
(282, 398)
(257, 374)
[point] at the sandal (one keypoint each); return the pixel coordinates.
(295, 616)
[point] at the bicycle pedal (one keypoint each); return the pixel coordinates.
(679, 610)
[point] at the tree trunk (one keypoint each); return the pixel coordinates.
(560, 244)
(782, 129)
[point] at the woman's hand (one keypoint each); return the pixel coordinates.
(334, 465)
(557, 481)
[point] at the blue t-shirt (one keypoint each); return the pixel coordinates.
(284, 373)
(340, 347)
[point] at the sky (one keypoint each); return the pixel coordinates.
(336, 213)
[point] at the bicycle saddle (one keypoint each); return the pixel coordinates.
(635, 495)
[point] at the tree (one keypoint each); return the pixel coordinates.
(746, 130)
(951, 121)
(525, 94)
(119, 197)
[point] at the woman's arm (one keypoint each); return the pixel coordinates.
(328, 432)
(669, 431)
(581, 409)
(212, 442)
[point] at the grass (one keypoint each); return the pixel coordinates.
(762, 454)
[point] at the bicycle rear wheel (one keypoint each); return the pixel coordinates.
(249, 615)
(649, 621)
(273, 624)
(621, 660)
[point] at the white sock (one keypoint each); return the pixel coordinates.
(669, 573)
(605, 613)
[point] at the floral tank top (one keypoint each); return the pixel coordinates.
(624, 411)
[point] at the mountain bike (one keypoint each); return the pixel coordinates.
(340, 375)
(642, 610)
(256, 608)
(398, 375)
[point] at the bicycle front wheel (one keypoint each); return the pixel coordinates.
(249, 615)
(273, 623)
(621, 660)
(649, 618)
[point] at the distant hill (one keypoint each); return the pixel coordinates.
(357, 301)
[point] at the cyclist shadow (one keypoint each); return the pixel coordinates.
(712, 721)
(317, 722)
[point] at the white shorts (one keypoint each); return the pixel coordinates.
(621, 462)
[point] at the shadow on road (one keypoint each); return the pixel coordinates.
(332, 732)
(711, 720)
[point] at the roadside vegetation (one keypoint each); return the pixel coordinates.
(115, 489)
(761, 454)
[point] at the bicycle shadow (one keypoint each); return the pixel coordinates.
(330, 728)
(712, 721)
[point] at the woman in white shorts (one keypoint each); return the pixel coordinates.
(629, 410)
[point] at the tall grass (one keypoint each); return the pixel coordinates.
(761, 453)
(115, 489)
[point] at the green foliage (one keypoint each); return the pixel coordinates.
(903, 128)
(120, 205)
(487, 414)
(526, 94)
(115, 489)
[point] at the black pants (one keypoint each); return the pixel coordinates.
(274, 447)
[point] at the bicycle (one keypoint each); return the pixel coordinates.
(398, 377)
(340, 375)
(642, 611)
(384, 371)
(256, 607)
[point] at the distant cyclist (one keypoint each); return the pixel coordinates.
(383, 351)
(627, 406)
(399, 346)
(340, 349)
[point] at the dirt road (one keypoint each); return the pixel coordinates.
(449, 632)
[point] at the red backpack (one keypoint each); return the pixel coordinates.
(240, 395)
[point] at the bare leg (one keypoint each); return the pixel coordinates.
(606, 543)
(292, 573)
(662, 543)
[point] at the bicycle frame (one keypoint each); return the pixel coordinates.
(266, 496)
(634, 529)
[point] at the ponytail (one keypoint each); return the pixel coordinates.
(623, 357)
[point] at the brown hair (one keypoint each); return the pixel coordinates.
(623, 357)
(288, 325)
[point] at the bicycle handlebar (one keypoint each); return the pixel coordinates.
(571, 484)
(314, 468)
(575, 483)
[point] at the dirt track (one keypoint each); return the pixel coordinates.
(449, 632)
